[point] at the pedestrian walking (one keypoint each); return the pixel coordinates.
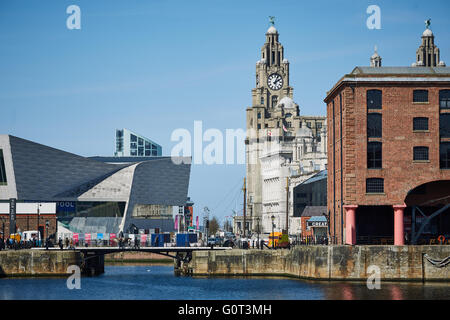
(60, 243)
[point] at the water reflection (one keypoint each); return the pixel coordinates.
(159, 282)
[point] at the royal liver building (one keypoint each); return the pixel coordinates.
(283, 148)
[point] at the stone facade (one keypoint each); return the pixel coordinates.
(405, 263)
(281, 145)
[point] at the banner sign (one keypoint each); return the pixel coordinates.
(87, 236)
(143, 238)
(66, 206)
(100, 236)
(317, 224)
(12, 215)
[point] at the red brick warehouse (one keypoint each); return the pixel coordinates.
(389, 151)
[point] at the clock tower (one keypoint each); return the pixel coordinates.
(272, 73)
(266, 119)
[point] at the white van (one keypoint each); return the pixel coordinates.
(27, 235)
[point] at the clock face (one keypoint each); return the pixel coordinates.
(275, 81)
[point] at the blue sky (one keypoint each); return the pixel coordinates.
(155, 66)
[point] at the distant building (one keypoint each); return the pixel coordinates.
(99, 194)
(389, 151)
(130, 144)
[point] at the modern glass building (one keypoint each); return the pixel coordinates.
(130, 144)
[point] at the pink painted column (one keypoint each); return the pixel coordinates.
(350, 224)
(399, 230)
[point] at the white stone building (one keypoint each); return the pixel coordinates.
(282, 147)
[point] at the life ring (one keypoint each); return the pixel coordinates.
(441, 239)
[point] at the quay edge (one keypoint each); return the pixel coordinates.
(351, 263)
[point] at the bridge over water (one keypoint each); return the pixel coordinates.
(92, 259)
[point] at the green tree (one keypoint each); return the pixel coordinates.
(213, 226)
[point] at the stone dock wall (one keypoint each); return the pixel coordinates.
(24, 263)
(396, 263)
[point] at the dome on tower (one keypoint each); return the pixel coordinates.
(272, 30)
(427, 33)
(287, 103)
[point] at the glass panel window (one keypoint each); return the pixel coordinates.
(374, 99)
(259, 115)
(147, 145)
(119, 133)
(133, 145)
(319, 125)
(374, 185)
(420, 124)
(2, 169)
(420, 153)
(140, 141)
(154, 152)
(140, 151)
(147, 153)
(420, 96)
(133, 152)
(262, 100)
(308, 124)
(374, 155)
(444, 155)
(444, 99)
(444, 125)
(374, 125)
(133, 138)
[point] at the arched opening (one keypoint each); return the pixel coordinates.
(427, 216)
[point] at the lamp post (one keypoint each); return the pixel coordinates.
(38, 216)
(273, 235)
(257, 229)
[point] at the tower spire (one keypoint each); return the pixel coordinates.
(427, 55)
(375, 59)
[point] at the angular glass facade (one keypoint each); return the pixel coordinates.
(2, 169)
(130, 144)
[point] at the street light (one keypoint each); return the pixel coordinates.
(257, 229)
(273, 235)
(38, 216)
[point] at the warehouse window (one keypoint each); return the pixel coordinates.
(444, 99)
(420, 96)
(420, 124)
(374, 155)
(444, 125)
(2, 169)
(375, 185)
(444, 155)
(420, 153)
(374, 99)
(374, 125)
